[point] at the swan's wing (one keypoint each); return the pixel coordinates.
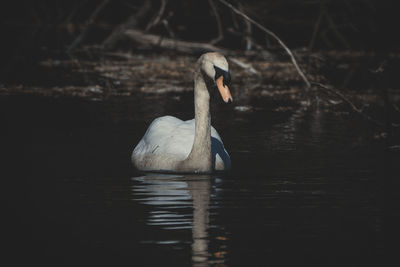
(167, 136)
(215, 134)
(220, 156)
(173, 138)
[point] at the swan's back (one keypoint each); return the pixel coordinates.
(169, 140)
(167, 135)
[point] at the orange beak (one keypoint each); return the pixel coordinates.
(224, 90)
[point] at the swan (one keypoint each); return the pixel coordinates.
(192, 146)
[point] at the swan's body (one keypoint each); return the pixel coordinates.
(173, 145)
(169, 140)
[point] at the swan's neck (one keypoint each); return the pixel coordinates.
(199, 158)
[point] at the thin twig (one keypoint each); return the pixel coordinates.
(157, 19)
(316, 25)
(380, 69)
(338, 94)
(219, 23)
(168, 28)
(234, 20)
(338, 34)
(324, 36)
(130, 23)
(253, 42)
(247, 31)
(151, 40)
(245, 66)
(74, 11)
(88, 24)
(288, 51)
(351, 104)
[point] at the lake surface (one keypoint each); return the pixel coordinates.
(308, 187)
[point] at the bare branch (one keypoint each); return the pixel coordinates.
(338, 94)
(317, 25)
(338, 34)
(380, 69)
(152, 40)
(288, 51)
(88, 24)
(157, 19)
(168, 28)
(247, 31)
(247, 67)
(234, 20)
(219, 23)
(349, 102)
(131, 22)
(74, 11)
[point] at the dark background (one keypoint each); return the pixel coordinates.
(31, 29)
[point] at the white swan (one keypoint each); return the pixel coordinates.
(193, 146)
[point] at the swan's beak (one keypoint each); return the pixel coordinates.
(224, 90)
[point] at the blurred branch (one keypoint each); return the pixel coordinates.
(75, 10)
(324, 36)
(396, 107)
(130, 23)
(234, 20)
(157, 18)
(152, 40)
(87, 26)
(168, 28)
(245, 66)
(338, 34)
(338, 94)
(219, 23)
(317, 25)
(272, 34)
(332, 26)
(247, 31)
(380, 69)
(130, 5)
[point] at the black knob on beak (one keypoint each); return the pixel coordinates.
(220, 72)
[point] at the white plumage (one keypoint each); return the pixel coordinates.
(172, 138)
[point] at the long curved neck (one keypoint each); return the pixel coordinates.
(200, 155)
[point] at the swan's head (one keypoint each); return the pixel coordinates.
(216, 67)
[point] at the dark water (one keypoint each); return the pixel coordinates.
(307, 188)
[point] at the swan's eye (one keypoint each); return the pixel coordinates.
(220, 72)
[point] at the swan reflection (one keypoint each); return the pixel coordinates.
(170, 195)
